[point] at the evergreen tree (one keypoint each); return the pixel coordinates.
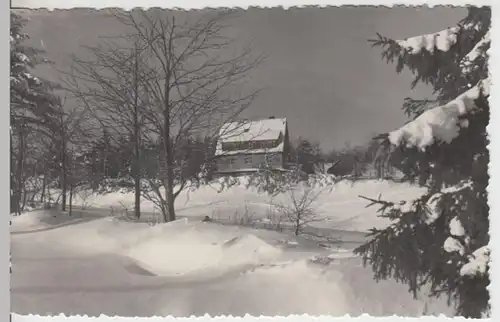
(307, 154)
(32, 105)
(31, 98)
(196, 157)
(99, 159)
(441, 239)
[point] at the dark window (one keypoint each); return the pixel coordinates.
(230, 146)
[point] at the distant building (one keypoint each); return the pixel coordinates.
(246, 146)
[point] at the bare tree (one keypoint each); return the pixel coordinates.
(45, 165)
(30, 152)
(78, 175)
(299, 209)
(71, 130)
(112, 85)
(191, 87)
(18, 162)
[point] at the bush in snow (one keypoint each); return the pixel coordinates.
(108, 185)
(323, 180)
(299, 209)
(441, 238)
(274, 183)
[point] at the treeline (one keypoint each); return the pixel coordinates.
(109, 158)
(355, 161)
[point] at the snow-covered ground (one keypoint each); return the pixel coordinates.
(188, 267)
(92, 263)
(338, 205)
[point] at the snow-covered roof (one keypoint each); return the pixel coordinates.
(252, 131)
(244, 131)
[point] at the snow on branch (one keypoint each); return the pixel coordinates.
(456, 228)
(440, 123)
(455, 243)
(452, 245)
(434, 210)
(477, 51)
(441, 41)
(478, 262)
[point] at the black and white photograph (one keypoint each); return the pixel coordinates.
(259, 161)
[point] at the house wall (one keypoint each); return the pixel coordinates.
(286, 146)
(248, 161)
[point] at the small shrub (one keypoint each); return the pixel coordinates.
(300, 211)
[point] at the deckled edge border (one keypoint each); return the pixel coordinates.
(240, 4)
(494, 184)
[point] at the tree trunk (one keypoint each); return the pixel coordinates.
(20, 170)
(64, 166)
(71, 198)
(297, 226)
(44, 185)
(105, 161)
(137, 188)
(13, 185)
(64, 174)
(137, 150)
(137, 164)
(49, 197)
(24, 196)
(167, 147)
(168, 182)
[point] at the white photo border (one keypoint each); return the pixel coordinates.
(494, 184)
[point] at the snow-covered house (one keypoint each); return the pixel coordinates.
(246, 146)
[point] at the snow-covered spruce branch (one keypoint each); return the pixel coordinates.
(459, 51)
(480, 51)
(441, 41)
(464, 255)
(440, 124)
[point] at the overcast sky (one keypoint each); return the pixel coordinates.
(321, 72)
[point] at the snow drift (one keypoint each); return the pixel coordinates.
(201, 249)
(206, 267)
